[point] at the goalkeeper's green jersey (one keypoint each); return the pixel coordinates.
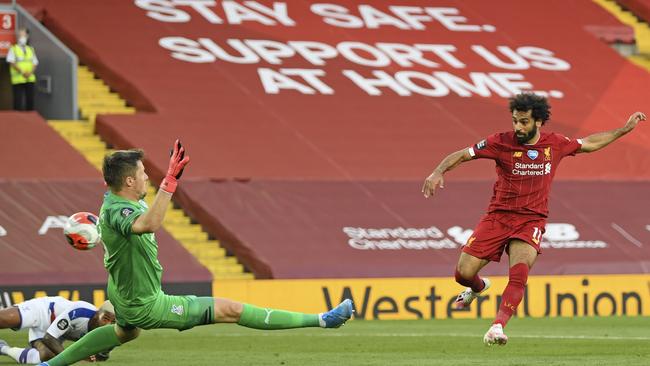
(134, 272)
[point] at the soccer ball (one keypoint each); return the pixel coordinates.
(81, 230)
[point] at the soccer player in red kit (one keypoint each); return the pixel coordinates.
(526, 161)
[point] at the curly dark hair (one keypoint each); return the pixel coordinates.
(119, 165)
(529, 101)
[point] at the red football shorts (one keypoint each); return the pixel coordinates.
(496, 229)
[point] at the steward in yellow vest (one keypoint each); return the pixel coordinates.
(23, 61)
(24, 65)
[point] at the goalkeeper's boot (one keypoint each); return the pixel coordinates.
(2, 345)
(337, 316)
(465, 298)
(495, 335)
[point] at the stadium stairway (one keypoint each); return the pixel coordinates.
(96, 98)
(641, 31)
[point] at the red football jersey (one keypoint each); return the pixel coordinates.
(524, 171)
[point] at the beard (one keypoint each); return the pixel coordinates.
(522, 139)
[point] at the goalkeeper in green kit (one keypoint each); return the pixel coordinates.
(126, 226)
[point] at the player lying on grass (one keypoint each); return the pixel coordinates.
(126, 226)
(526, 162)
(50, 321)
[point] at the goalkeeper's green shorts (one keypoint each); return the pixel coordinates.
(174, 312)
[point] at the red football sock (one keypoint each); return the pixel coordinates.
(513, 293)
(476, 283)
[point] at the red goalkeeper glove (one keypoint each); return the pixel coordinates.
(177, 163)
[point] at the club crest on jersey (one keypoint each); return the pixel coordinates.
(547, 154)
(481, 144)
(127, 211)
(532, 154)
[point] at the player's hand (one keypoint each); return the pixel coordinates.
(177, 160)
(102, 356)
(634, 119)
(177, 163)
(432, 182)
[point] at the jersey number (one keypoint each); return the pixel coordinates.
(537, 235)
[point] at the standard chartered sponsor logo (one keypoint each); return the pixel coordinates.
(404, 238)
(531, 169)
(529, 166)
(557, 236)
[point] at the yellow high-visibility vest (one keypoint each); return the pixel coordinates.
(25, 62)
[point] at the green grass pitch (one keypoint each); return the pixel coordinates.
(548, 342)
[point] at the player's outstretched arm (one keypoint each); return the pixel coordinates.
(599, 140)
(436, 180)
(151, 220)
(50, 347)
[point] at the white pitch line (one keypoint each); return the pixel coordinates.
(626, 235)
(345, 334)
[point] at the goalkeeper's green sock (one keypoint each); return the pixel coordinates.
(259, 318)
(100, 339)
